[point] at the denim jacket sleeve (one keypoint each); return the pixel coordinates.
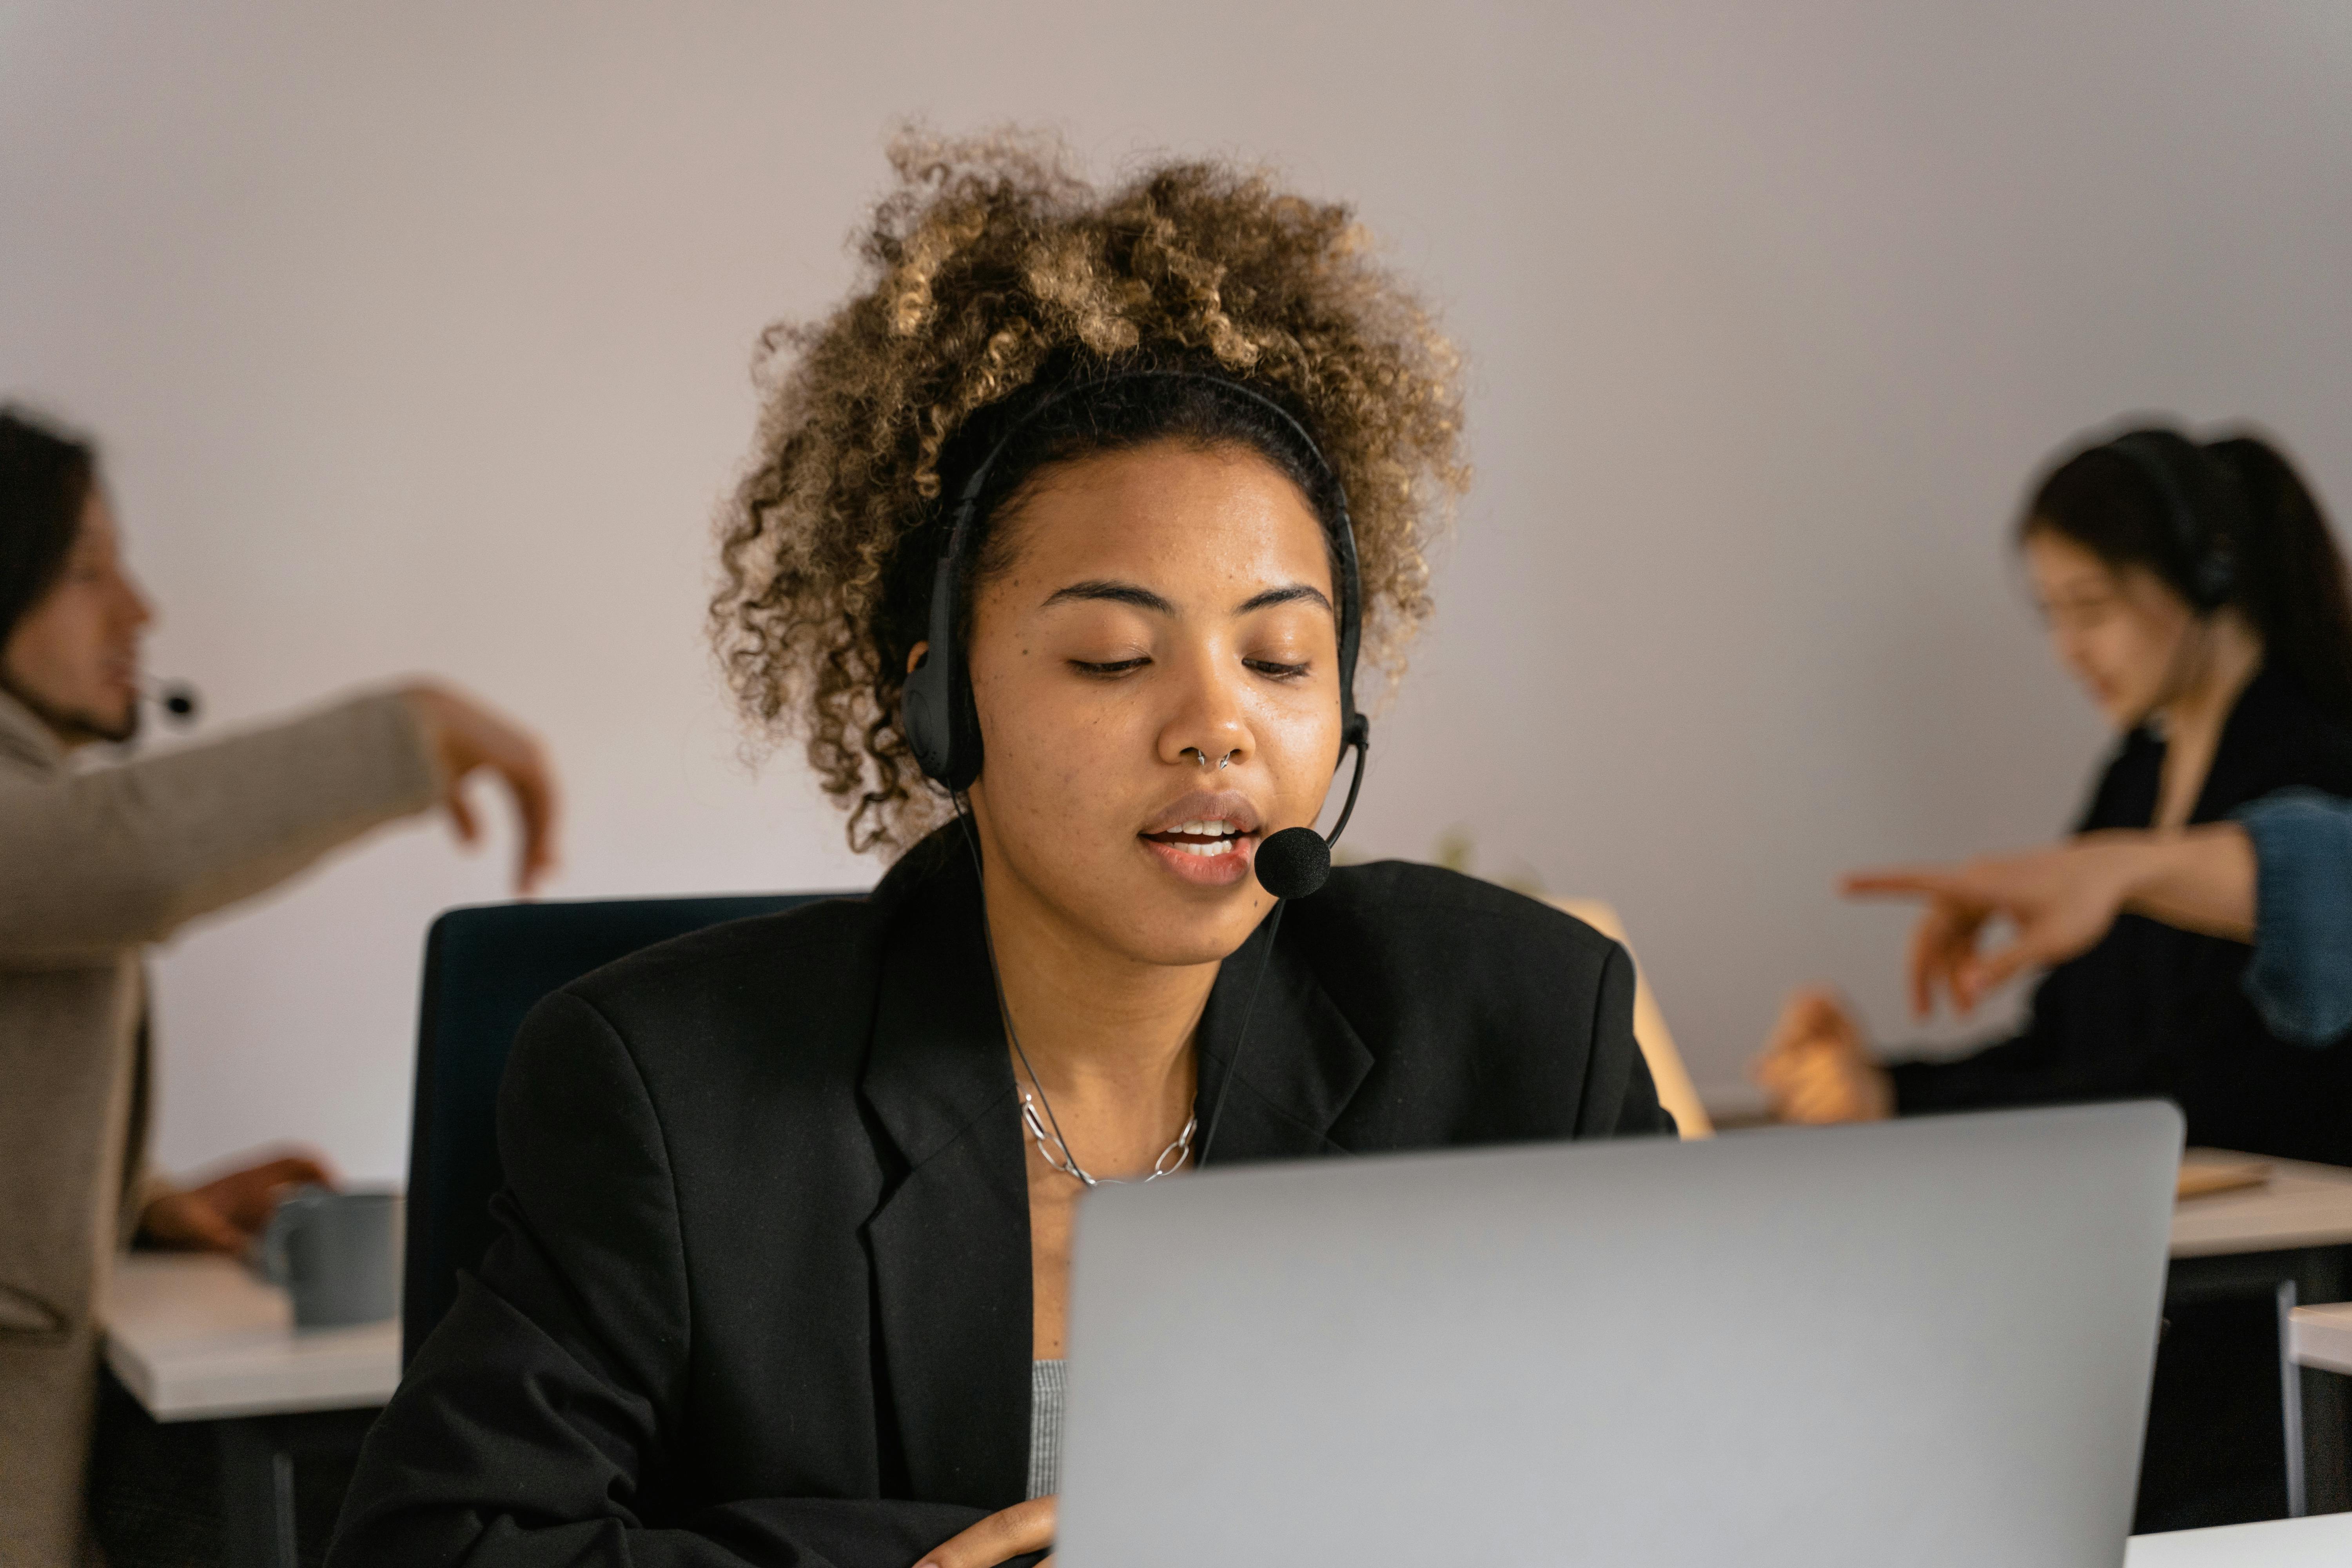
(2300, 975)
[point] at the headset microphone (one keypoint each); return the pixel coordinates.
(177, 698)
(1296, 862)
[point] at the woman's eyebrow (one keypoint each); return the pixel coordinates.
(1142, 598)
(1115, 592)
(1289, 594)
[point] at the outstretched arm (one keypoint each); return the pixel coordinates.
(2061, 900)
(93, 862)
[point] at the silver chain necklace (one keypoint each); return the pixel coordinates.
(1051, 1146)
(1056, 1153)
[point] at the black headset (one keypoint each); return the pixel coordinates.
(2209, 553)
(941, 723)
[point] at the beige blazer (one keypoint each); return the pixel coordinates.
(95, 864)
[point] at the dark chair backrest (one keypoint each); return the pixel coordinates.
(484, 968)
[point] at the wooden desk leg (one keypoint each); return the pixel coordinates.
(256, 1496)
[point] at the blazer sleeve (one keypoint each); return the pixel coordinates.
(96, 861)
(532, 1429)
(1620, 1098)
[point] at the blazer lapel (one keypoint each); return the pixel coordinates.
(950, 1243)
(1300, 1064)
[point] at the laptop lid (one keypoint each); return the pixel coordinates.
(1925, 1342)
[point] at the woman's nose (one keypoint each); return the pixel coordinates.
(133, 607)
(1207, 730)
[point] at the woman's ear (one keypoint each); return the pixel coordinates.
(914, 656)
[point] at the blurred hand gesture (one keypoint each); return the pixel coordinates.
(2061, 901)
(466, 737)
(1816, 1068)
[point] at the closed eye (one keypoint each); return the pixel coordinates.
(1110, 671)
(1277, 672)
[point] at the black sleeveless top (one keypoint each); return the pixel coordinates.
(2152, 1010)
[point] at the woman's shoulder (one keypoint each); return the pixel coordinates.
(2293, 741)
(811, 933)
(807, 972)
(1402, 892)
(1430, 920)
(1489, 1015)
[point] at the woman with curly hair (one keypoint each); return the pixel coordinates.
(1061, 538)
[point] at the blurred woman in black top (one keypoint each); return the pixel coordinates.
(2195, 591)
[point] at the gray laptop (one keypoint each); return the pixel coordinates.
(1921, 1342)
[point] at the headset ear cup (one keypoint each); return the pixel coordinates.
(942, 726)
(2217, 579)
(928, 732)
(962, 764)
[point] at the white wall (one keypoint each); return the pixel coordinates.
(417, 335)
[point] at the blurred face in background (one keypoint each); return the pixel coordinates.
(2121, 630)
(73, 657)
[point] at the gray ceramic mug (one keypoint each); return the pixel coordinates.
(337, 1253)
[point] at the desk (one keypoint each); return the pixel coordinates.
(196, 1337)
(2324, 1539)
(2301, 1206)
(2287, 1240)
(2322, 1337)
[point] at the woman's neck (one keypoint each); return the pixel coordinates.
(1108, 1038)
(2224, 656)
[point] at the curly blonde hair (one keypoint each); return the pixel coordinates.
(990, 269)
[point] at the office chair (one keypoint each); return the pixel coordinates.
(484, 967)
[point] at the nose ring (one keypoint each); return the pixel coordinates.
(1202, 758)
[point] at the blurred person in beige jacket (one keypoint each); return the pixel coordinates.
(95, 863)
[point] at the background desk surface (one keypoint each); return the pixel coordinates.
(196, 1337)
(2324, 1539)
(2301, 1205)
(2322, 1337)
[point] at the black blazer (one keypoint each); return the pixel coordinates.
(2152, 1010)
(762, 1293)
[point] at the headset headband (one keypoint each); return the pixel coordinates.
(941, 725)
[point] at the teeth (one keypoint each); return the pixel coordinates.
(1207, 827)
(1222, 847)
